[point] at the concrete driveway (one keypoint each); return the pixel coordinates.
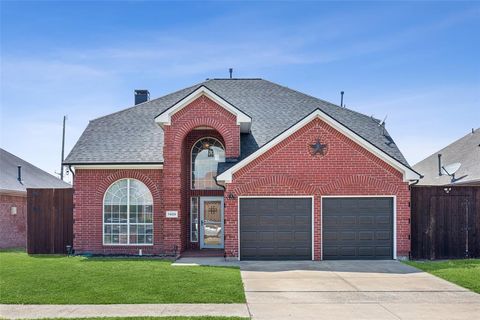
(352, 290)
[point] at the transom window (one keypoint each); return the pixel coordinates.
(128, 214)
(206, 154)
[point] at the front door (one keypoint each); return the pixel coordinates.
(211, 222)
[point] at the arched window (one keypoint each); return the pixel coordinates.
(128, 214)
(206, 154)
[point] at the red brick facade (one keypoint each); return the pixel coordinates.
(13, 230)
(202, 112)
(290, 169)
(90, 186)
(286, 169)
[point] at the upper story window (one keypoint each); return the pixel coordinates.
(206, 154)
(128, 214)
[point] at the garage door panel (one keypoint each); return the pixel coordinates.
(383, 235)
(265, 219)
(249, 220)
(383, 251)
(366, 251)
(347, 236)
(330, 221)
(352, 220)
(285, 220)
(284, 235)
(348, 252)
(366, 220)
(357, 228)
(302, 220)
(384, 219)
(366, 235)
(249, 235)
(302, 236)
(282, 228)
(329, 235)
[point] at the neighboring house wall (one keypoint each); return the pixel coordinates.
(90, 186)
(290, 169)
(13, 233)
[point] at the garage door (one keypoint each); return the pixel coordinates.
(276, 228)
(357, 228)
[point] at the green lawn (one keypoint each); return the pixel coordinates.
(49, 279)
(465, 273)
(156, 318)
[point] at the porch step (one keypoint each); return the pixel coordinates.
(202, 253)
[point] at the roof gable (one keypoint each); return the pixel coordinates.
(243, 120)
(407, 172)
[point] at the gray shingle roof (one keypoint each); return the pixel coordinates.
(32, 177)
(131, 135)
(465, 150)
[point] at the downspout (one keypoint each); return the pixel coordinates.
(221, 186)
(70, 169)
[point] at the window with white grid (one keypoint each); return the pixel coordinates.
(128, 214)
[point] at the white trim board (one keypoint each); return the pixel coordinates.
(271, 197)
(243, 120)
(408, 173)
(118, 166)
(394, 197)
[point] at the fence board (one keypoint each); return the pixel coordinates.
(445, 224)
(49, 220)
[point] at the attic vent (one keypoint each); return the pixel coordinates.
(141, 96)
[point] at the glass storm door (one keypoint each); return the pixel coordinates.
(211, 222)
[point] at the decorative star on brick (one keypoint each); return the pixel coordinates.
(318, 148)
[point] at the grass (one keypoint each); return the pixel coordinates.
(155, 318)
(51, 279)
(465, 273)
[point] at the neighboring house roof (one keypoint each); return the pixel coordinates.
(32, 177)
(132, 136)
(466, 151)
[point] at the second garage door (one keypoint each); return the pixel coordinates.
(357, 228)
(276, 228)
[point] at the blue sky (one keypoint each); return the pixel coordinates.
(415, 62)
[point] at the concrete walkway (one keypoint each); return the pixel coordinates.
(121, 310)
(352, 290)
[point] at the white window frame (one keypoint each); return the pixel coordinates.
(191, 161)
(128, 218)
(197, 199)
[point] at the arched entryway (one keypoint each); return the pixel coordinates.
(203, 151)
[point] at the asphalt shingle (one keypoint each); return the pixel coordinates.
(32, 177)
(465, 151)
(132, 136)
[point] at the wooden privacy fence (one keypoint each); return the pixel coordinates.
(445, 222)
(49, 220)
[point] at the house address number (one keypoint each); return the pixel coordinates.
(172, 214)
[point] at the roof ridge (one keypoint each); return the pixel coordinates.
(235, 79)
